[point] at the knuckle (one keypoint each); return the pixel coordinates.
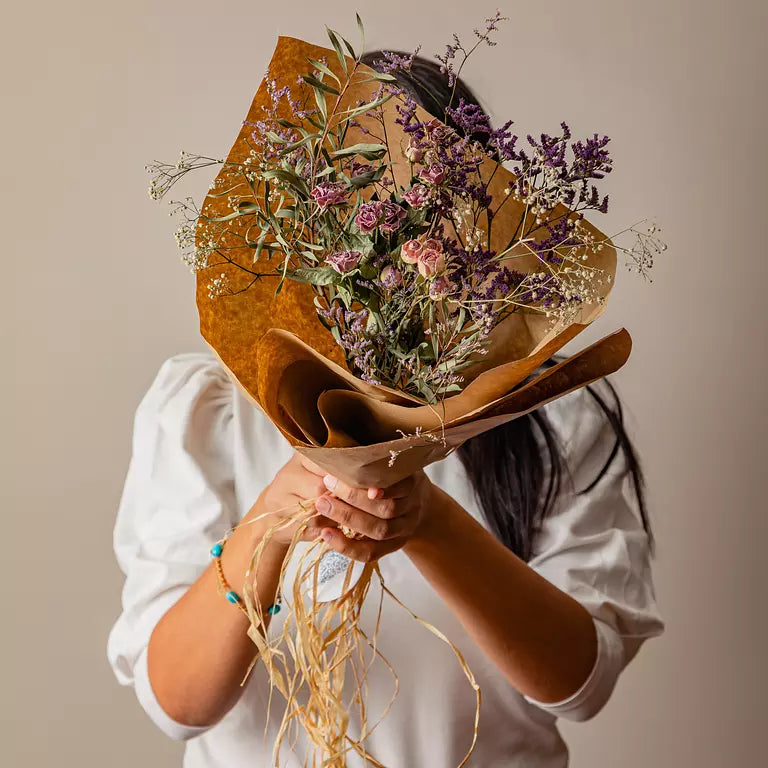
(343, 513)
(388, 508)
(352, 495)
(380, 531)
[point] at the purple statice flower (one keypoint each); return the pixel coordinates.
(417, 196)
(395, 62)
(329, 193)
(469, 118)
(591, 159)
(441, 287)
(393, 217)
(369, 216)
(391, 277)
(344, 261)
(559, 235)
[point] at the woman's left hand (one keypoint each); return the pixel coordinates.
(387, 517)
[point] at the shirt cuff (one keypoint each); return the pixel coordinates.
(590, 698)
(146, 696)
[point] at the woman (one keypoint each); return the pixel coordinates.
(528, 547)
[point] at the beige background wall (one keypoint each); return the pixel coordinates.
(94, 298)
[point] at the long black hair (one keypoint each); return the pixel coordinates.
(516, 469)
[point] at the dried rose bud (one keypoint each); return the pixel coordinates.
(431, 263)
(413, 151)
(433, 244)
(410, 251)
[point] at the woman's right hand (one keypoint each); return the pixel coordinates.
(299, 480)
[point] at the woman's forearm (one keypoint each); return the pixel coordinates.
(539, 637)
(199, 651)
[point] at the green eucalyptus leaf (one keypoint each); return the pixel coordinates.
(337, 46)
(349, 48)
(314, 275)
(323, 68)
(315, 83)
(361, 28)
(360, 149)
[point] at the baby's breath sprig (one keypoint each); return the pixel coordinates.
(165, 175)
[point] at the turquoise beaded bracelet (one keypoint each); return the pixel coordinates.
(229, 593)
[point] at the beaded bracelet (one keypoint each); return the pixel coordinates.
(226, 589)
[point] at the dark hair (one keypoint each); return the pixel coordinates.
(516, 482)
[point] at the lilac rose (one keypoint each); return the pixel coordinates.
(344, 261)
(433, 174)
(369, 216)
(329, 193)
(393, 216)
(417, 196)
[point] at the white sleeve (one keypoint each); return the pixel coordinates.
(177, 501)
(593, 547)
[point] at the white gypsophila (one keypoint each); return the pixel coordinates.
(219, 286)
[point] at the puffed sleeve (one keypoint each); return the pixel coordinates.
(594, 547)
(177, 500)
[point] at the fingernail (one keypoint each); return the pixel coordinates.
(322, 505)
(373, 493)
(330, 482)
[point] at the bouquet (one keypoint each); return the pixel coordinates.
(386, 286)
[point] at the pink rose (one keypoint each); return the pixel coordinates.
(439, 133)
(391, 277)
(433, 244)
(433, 174)
(431, 262)
(417, 196)
(410, 251)
(344, 261)
(329, 193)
(413, 151)
(393, 216)
(368, 216)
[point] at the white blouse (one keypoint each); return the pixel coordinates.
(201, 456)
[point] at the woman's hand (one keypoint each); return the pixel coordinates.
(388, 518)
(299, 480)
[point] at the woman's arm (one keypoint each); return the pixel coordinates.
(199, 651)
(543, 640)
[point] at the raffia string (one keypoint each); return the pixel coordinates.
(320, 645)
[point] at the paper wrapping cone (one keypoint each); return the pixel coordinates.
(287, 362)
